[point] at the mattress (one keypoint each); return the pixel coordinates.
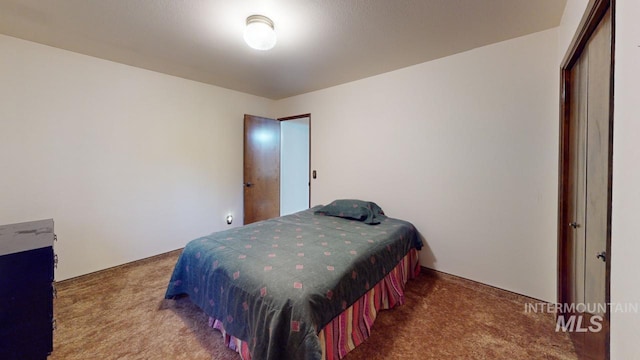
(275, 284)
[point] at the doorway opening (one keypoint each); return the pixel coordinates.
(295, 164)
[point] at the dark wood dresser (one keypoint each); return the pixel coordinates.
(26, 290)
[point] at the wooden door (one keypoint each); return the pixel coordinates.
(597, 160)
(579, 179)
(261, 168)
(597, 194)
(585, 184)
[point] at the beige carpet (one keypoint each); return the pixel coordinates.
(120, 313)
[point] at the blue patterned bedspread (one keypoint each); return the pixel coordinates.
(274, 284)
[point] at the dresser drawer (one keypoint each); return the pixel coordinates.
(26, 294)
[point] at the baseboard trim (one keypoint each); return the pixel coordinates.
(175, 252)
(479, 286)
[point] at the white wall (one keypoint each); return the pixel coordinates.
(129, 163)
(625, 235)
(573, 11)
(465, 147)
(294, 165)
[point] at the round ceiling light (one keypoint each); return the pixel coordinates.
(260, 33)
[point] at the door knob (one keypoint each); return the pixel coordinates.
(602, 256)
(574, 225)
(248, 184)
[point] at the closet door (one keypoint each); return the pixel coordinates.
(585, 187)
(597, 163)
(579, 178)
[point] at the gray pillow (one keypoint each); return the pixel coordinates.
(365, 211)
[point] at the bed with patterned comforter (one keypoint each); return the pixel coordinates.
(274, 284)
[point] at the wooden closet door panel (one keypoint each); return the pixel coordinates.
(597, 165)
(579, 141)
(585, 179)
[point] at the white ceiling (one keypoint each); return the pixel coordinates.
(321, 43)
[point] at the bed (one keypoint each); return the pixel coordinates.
(301, 286)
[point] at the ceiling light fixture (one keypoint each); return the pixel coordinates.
(260, 33)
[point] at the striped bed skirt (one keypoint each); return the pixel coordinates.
(352, 326)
